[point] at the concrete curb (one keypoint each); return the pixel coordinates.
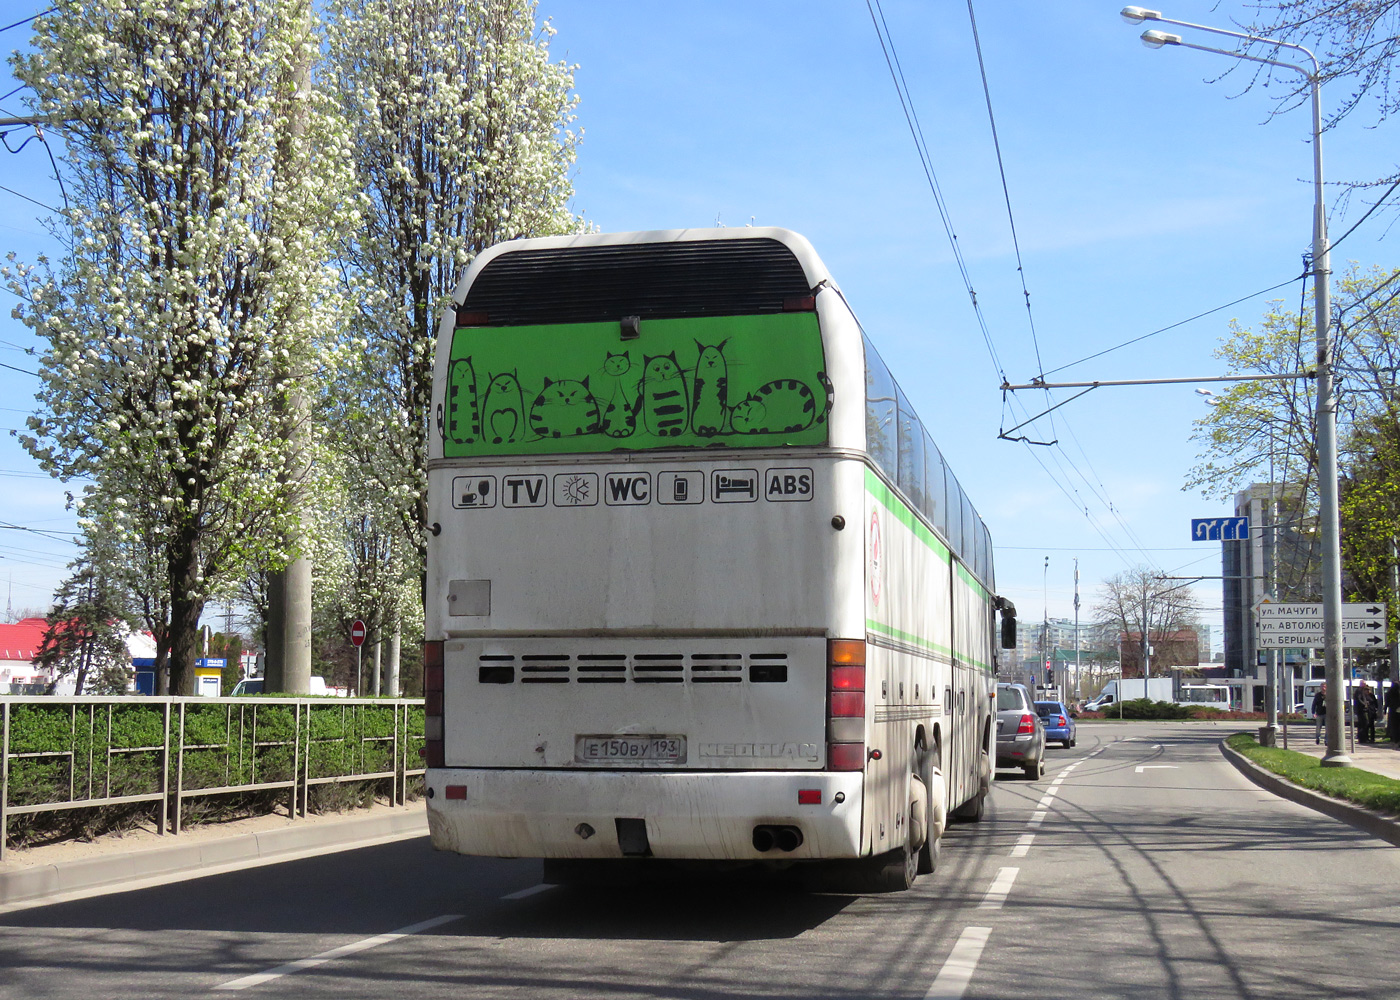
(40, 881)
(1378, 825)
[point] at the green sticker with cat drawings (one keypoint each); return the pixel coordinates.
(705, 382)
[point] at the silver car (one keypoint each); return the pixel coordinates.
(1020, 734)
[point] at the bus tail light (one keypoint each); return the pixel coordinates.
(845, 721)
(432, 704)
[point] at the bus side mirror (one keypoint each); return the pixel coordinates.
(1008, 630)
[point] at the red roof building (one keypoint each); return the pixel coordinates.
(19, 644)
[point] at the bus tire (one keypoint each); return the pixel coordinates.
(935, 791)
(971, 811)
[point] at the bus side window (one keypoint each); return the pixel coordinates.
(953, 529)
(935, 487)
(911, 451)
(880, 413)
(970, 535)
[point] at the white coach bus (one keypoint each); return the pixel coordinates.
(700, 585)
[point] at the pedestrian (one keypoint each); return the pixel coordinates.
(1363, 709)
(1319, 711)
(1392, 704)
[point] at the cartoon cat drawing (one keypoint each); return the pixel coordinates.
(620, 415)
(709, 390)
(564, 409)
(617, 365)
(663, 402)
(463, 425)
(780, 407)
(503, 410)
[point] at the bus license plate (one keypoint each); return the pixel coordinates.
(615, 749)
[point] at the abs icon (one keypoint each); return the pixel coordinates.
(787, 485)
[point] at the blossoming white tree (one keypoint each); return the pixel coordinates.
(462, 138)
(196, 290)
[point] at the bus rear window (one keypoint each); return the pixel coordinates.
(694, 382)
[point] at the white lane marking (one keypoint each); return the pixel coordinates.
(327, 956)
(525, 893)
(1058, 782)
(1154, 767)
(1023, 845)
(1001, 888)
(1037, 818)
(951, 982)
(1046, 799)
(1160, 746)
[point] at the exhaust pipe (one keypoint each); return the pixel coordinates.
(788, 838)
(785, 838)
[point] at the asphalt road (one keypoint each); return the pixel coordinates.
(1150, 868)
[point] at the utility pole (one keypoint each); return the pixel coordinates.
(1075, 696)
(1045, 623)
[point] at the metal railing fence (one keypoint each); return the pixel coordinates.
(89, 752)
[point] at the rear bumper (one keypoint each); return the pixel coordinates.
(703, 816)
(1015, 754)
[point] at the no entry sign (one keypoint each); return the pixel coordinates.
(357, 633)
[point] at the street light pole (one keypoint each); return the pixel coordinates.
(1328, 509)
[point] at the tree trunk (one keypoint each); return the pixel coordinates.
(185, 611)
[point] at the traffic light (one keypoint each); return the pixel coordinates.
(1049, 676)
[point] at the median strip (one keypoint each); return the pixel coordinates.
(1351, 784)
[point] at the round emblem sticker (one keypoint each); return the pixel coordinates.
(875, 558)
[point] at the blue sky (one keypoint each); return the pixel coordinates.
(1142, 193)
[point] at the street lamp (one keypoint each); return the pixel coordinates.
(1328, 511)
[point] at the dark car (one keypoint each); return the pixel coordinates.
(1020, 735)
(1059, 724)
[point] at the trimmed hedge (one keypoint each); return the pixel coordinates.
(87, 751)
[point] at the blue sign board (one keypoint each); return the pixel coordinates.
(1219, 529)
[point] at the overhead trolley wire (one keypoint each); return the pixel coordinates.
(906, 102)
(1005, 190)
(1062, 476)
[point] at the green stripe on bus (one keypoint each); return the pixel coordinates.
(896, 506)
(915, 640)
(972, 582)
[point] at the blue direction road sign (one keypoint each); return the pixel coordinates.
(1219, 529)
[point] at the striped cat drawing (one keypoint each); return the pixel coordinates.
(463, 425)
(781, 407)
(564, 409)
(663, 400)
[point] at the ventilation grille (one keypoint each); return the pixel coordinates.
(650, 280)
(633, 668)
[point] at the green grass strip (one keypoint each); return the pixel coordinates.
(1352, 784)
